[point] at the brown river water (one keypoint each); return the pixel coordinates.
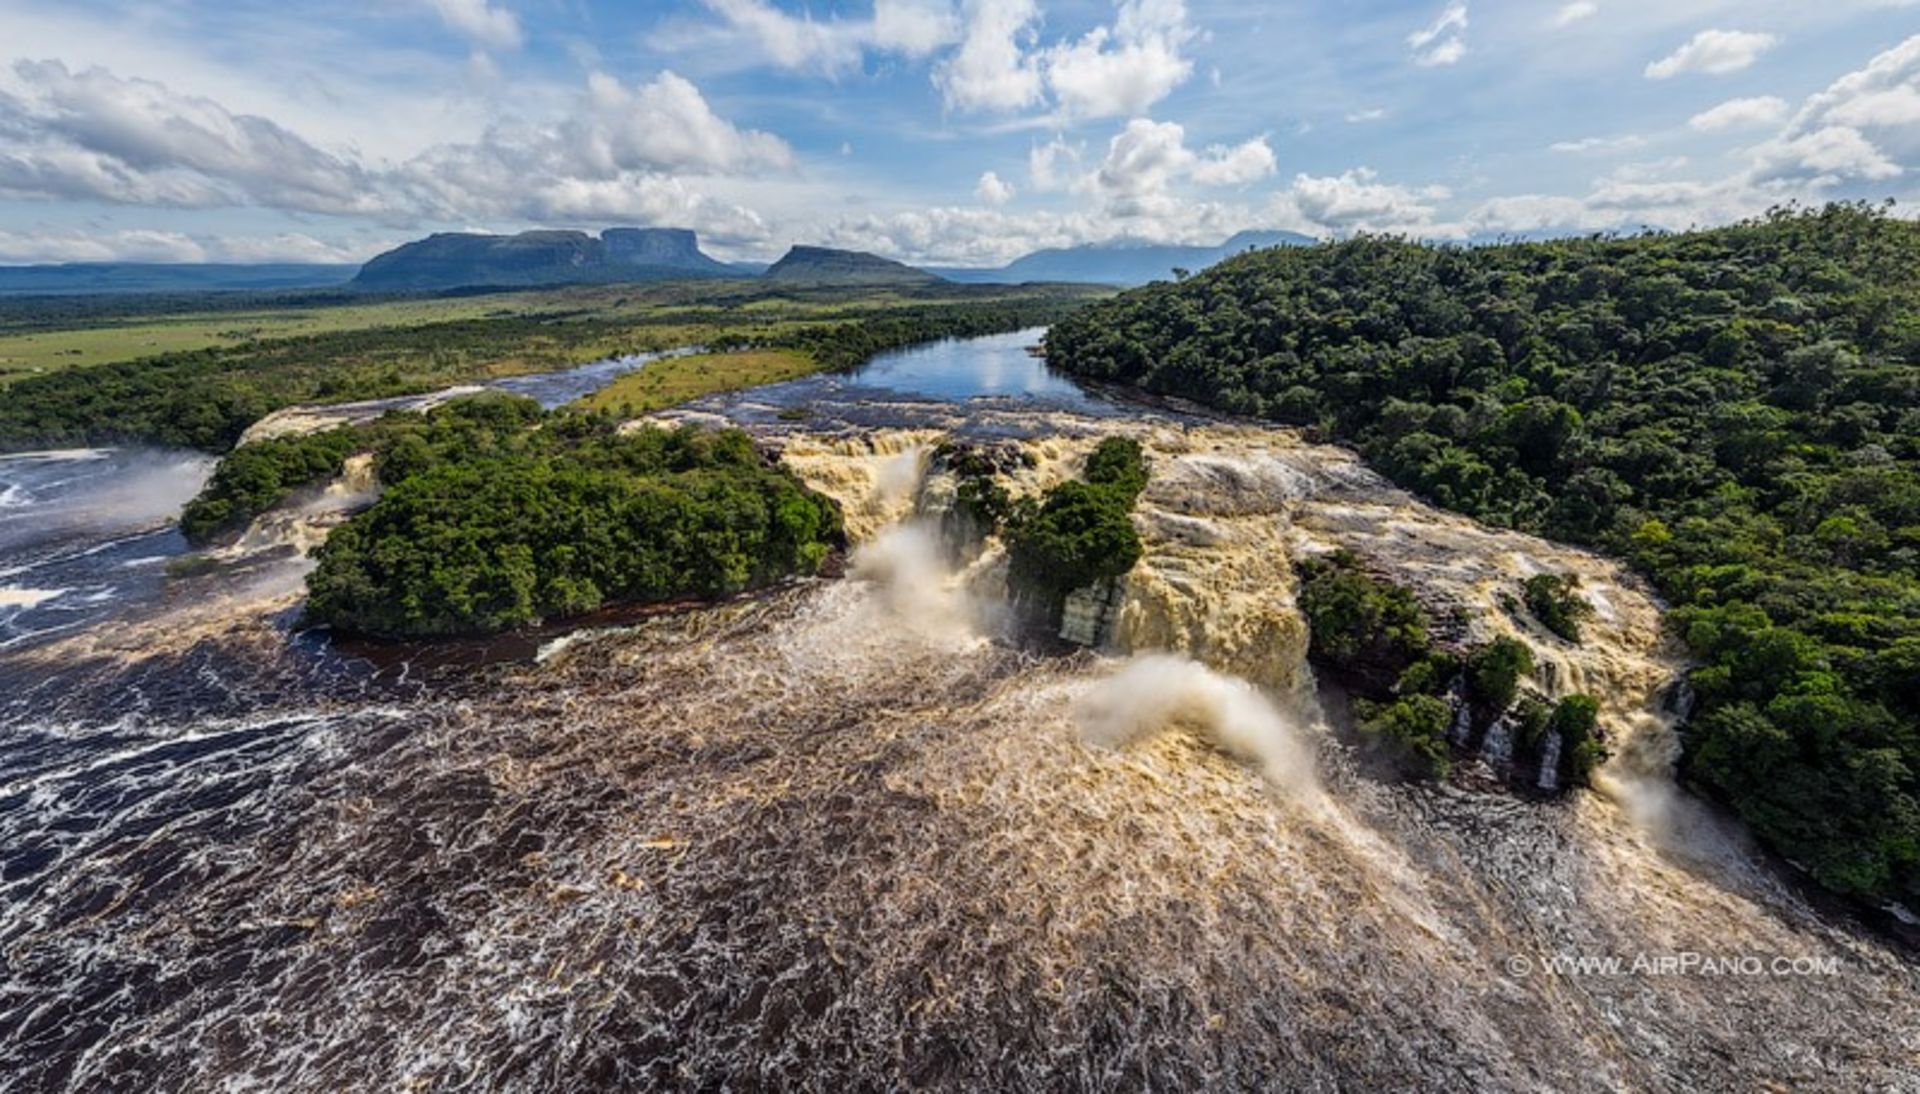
(849, 836)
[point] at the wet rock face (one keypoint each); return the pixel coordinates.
(839, 838)
(1092, 614)
(845, 837)
(1225, 513)
(966, 491)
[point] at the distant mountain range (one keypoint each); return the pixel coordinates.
(461, 260)
(158, 277)
(452, 261)
(1124, 262)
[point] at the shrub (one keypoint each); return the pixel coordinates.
(1411, 733)
(1574, 719)
(1555, 600)
(256, 477)
(1357, 622)
(1531, 718)
(1494, 672)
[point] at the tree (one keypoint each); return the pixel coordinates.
(1555, 600)
(1575, 719)
(1494, 672)
(518, 521)
(1359, 623)
(1080, 533)
(1733, 411)
(1411, 733)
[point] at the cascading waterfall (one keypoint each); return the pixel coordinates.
(843, 836)
(875, 479)
(302, 523)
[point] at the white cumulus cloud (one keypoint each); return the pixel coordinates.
(912, 28)
(992, 190)
(1444, 42)
(1147, 158)
(1864, 127)
(1713, 53)
(1055, 165)
(993, 69)
(1117, 70)
(621, 152)
(1125, 69)
(1881, 100)
(1741, 114)
(1823, 156)
(92, 135)
(485, 24)
(1238, 165)
(915, 28)
(1357, 201)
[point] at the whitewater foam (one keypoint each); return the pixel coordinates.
(14, 596)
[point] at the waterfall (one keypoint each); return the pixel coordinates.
(839, 836)
(1497, 747)
(1549, 779)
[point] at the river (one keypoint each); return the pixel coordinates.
(847, 836)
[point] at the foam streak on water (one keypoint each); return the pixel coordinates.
(841, 837)
(71, 522)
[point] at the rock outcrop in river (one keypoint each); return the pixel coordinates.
(844, 836)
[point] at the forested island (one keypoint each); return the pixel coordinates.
(1736, 412)
(496, 514)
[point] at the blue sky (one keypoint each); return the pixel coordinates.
(956, 131)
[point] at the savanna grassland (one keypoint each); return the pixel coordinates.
(195, 371)
(675, 380)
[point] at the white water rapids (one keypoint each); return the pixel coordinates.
(843, 837)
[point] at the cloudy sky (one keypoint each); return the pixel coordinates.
(958, 131)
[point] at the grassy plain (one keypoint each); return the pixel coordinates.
(125, 338)
(41, 336)
(196, 370)
(674, 380)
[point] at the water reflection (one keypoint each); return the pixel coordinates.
(999, 366)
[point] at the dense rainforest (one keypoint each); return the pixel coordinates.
(1376, 638)
(496, 514)
(1735, 411)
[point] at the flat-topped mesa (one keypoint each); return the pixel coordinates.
(827, 266)
(676, 248)
(451, 260)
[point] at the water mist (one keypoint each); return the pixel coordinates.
(1153, 693)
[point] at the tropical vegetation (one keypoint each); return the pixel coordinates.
(1735, 411)
(1080, 532)
(496, 515)
(1377, 639)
